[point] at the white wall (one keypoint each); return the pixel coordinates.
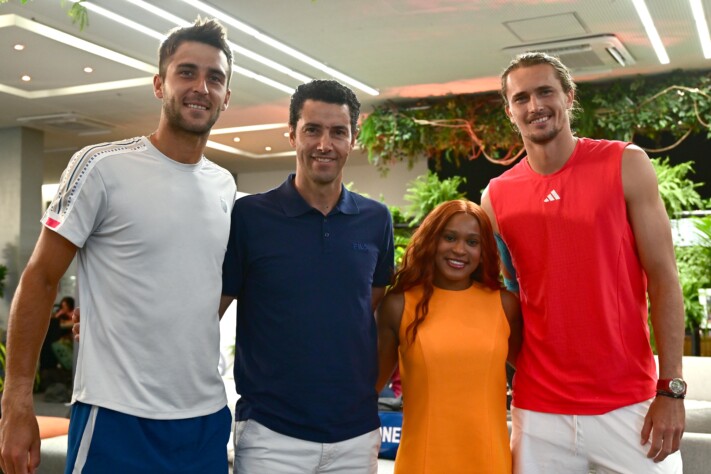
(365, 177)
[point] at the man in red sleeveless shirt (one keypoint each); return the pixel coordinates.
(589, 239)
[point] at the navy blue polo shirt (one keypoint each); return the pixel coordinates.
(306, 360)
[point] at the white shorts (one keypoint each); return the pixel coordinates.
(259, 450)
(609, 443)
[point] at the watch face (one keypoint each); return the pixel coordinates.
(677, 386)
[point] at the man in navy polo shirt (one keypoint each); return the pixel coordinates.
(308, 262)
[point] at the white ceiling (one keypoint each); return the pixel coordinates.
(402, 48)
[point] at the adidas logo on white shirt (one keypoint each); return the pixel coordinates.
(552, 196)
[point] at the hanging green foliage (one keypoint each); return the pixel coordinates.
(678, 103)
(77, 12)
(457, 127)
(470, 126)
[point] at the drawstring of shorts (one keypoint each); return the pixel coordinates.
(575, 434)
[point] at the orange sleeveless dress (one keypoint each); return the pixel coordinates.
(454, 385)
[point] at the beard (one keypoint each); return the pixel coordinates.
(541, 138)
(547, 135)
(178, 122)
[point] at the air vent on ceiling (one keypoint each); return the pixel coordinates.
(67, 122)
(582, 53)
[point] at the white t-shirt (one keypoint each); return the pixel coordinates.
(152, 234)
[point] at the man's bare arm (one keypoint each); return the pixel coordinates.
(388, 318)
(27, 326)
(489, 209)
(652, 232)
(507, 269)
(376, 297)
(225, 302)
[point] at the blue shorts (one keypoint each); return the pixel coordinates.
(107, 442)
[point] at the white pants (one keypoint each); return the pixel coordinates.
(259, 450)
(609, 443)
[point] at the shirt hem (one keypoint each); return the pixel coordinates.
(581, 408)
(281, 428)
(154, 413)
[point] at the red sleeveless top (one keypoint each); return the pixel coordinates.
(583, 290)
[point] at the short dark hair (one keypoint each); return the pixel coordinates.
(69, 300)
(324, 90)
(207, 31)
(535, 59)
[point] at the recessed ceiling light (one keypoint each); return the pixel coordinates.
(76, 42)
(26, 78)
(88, 70)
(18, 47)
(10, 20)
(236, 139)
(267, 148)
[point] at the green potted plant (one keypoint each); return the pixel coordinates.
(427, 191)
(679, 194)
(424, 193)
(694, 263)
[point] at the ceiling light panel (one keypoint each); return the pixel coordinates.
(136, 26)
(651, 30)
(159, 12)
(669, 16)
(249, 128)
(284, 48)
(178, 21)
(702, 26)
(237, 49)
(82, 44)
(253, 139)
(268, 71)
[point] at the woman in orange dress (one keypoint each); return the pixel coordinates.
(452, 328)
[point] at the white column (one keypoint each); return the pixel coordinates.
(21, 171)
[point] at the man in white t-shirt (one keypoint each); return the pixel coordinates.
(148, 219)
